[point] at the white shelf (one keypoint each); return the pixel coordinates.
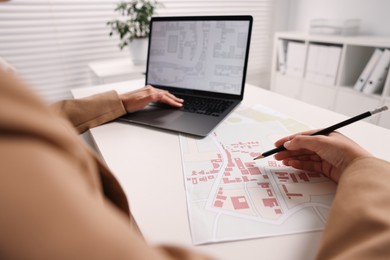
(109, 71)
(368, 41)
(340, 96)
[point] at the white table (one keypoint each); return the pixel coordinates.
(147, 162)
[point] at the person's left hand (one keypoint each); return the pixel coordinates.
(138, 99)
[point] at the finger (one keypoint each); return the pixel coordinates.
(167, 98)
(290, 154)
(290, 137)
(311, 143)
(302, 157)
(146, 91)
(172, 100)
(161, 96)
(313, 166)
(283, 140)
(165, 93)
(173, 97)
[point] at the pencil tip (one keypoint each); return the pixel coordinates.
(258, 157)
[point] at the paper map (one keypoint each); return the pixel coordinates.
(230, 196)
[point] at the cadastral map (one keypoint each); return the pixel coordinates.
(231, 197)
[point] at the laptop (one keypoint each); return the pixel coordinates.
(202, 59)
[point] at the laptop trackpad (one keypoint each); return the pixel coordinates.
(154, 116)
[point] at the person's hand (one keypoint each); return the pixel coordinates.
(329, 155)
(138, 99)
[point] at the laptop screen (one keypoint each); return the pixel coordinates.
(199, 53)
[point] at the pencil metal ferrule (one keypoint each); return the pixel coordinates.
(379, 109)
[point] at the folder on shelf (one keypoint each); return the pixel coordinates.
(295, 59)
(368, 69)
(322, 64)
(281, 55)
(376, 81)
(312, 63)
(332, 64)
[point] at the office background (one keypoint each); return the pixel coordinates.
(51, 42)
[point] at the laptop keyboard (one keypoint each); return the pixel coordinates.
(202, 105)
(205, 106)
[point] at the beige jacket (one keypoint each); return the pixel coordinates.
(59, 201)
(358, 225)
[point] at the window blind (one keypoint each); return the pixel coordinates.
(51, 42)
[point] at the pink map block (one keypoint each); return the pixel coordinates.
(218, 204)
(239, 202)
(254, 171)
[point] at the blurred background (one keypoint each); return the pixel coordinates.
(57, 45)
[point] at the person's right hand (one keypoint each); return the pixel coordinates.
(329, 155)
(139, 98)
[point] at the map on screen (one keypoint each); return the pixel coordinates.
(201, 55)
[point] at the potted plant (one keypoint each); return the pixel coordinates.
(133, 29)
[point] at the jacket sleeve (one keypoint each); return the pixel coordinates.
(92, 111)
(359, 224)
(49, 211)
(52, 201)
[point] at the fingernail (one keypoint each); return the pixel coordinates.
(286, 144)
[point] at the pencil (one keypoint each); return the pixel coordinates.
(328, 130)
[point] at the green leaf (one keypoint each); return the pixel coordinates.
(138, 14)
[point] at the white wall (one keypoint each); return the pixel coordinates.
(282, 13)
(374, 14)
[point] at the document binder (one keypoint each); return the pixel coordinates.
(312, 63)
(322, 64)
(295, 59)
(281, 55)
(376, 81)
(368, 69)
(332, 64)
